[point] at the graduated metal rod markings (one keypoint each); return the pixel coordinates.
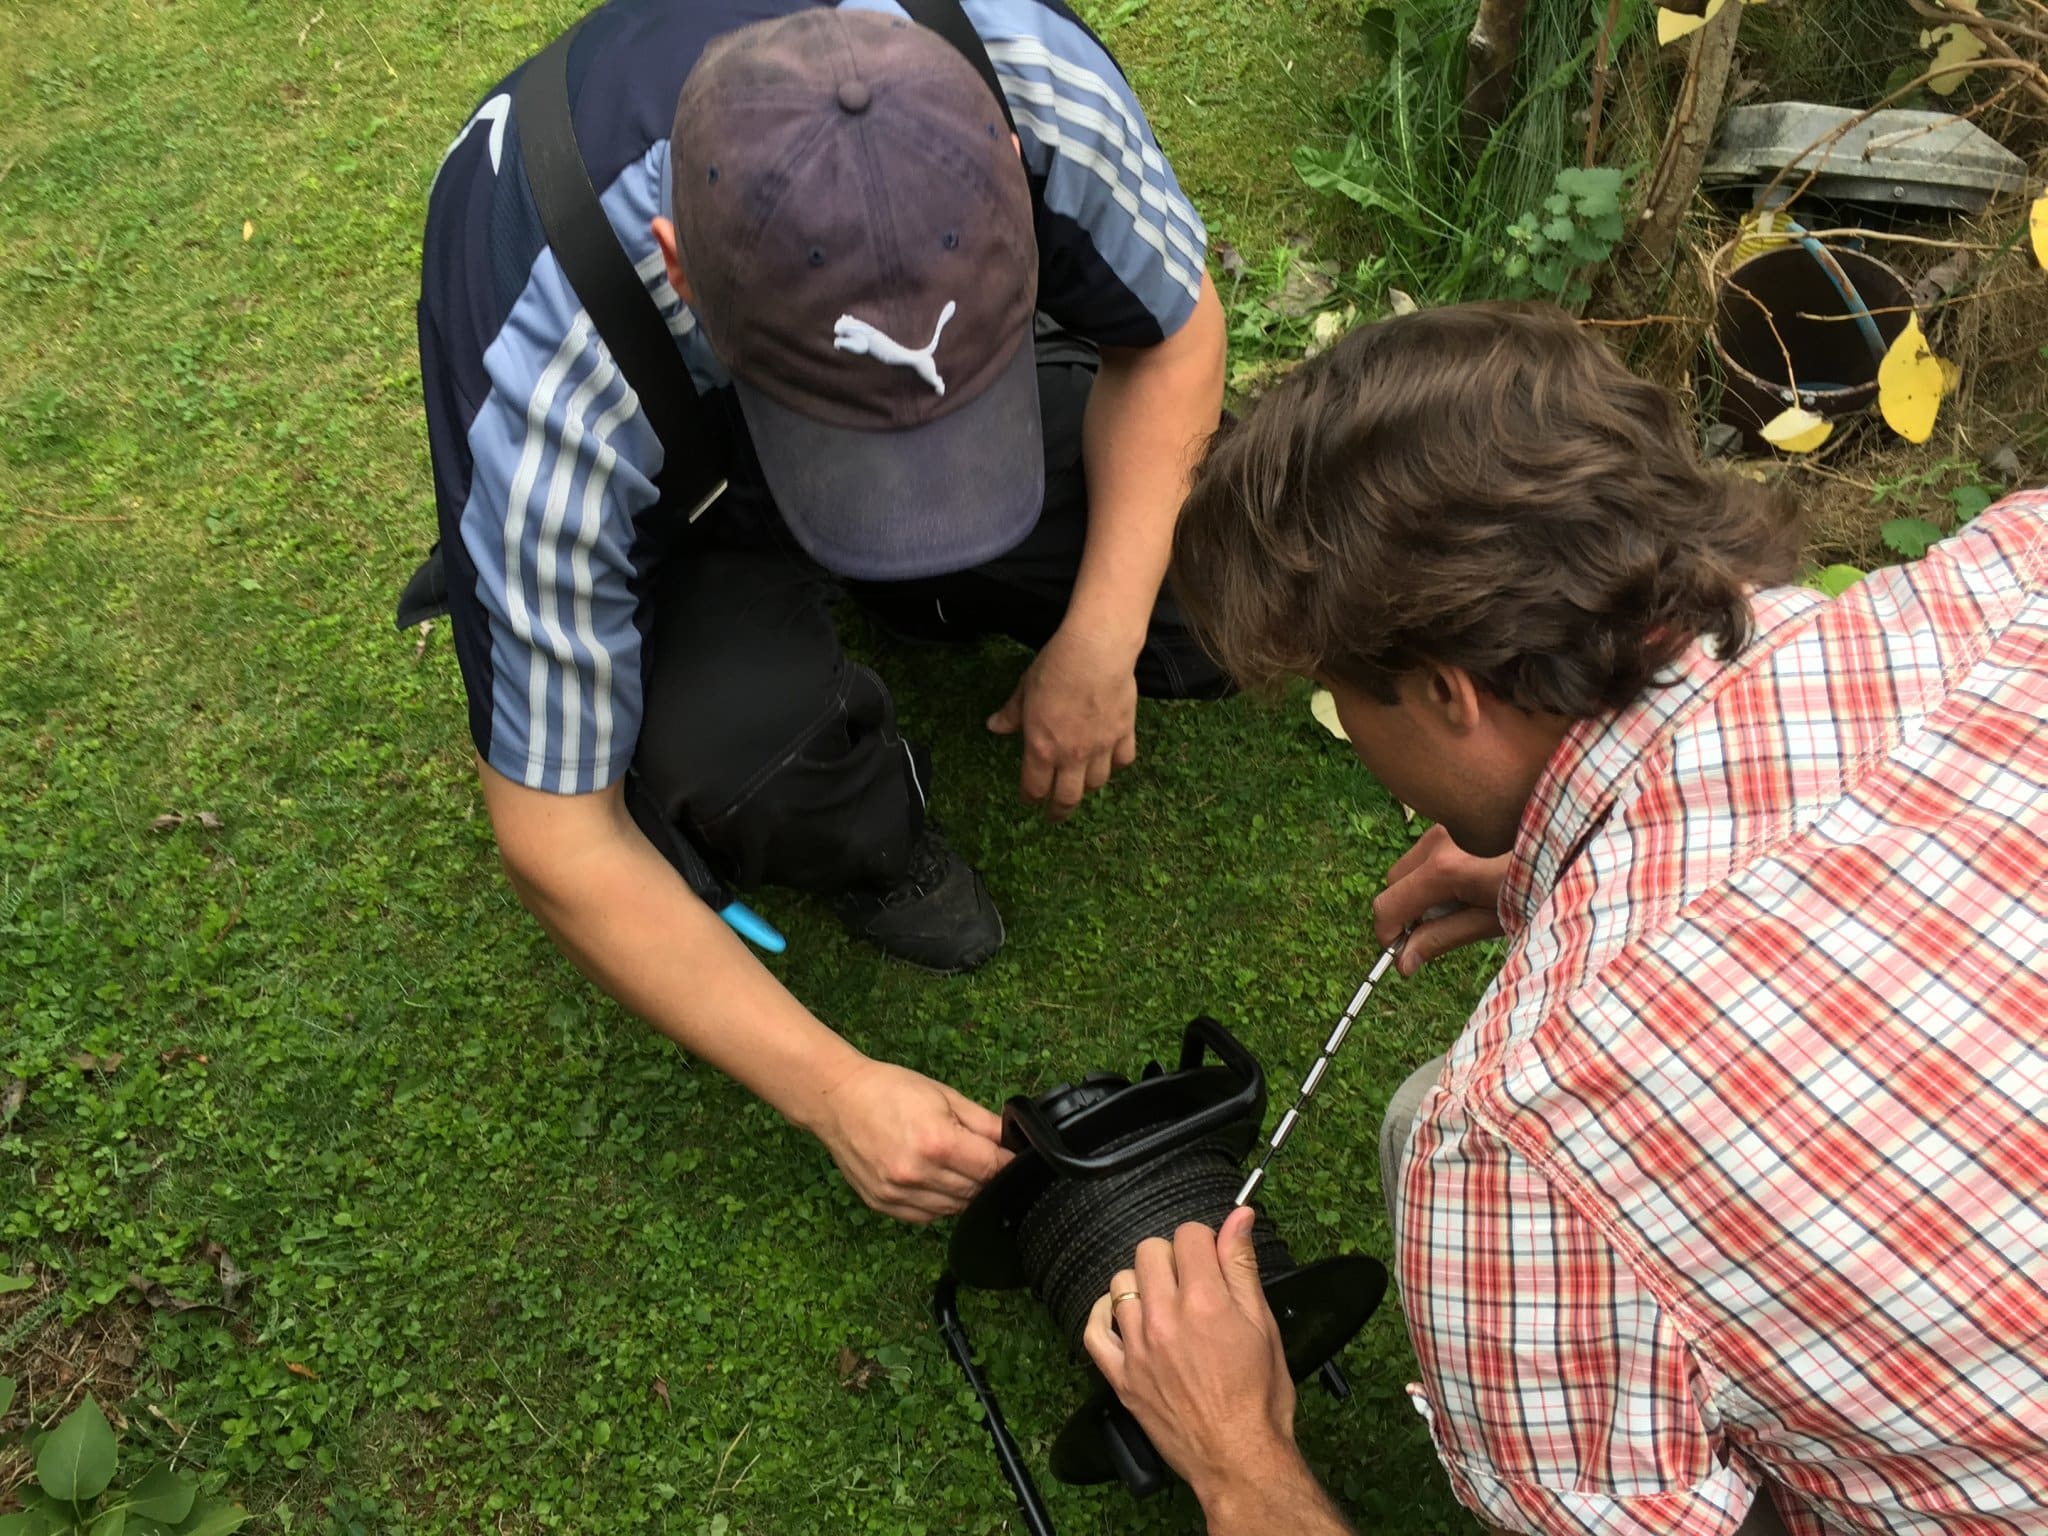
(1310, 1083)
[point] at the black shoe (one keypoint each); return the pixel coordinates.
(938, 916)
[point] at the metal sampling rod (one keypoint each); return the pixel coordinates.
(1314, 1079)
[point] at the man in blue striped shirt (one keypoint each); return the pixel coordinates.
(848, 246)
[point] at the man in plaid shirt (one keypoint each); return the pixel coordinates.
(1729, 1207)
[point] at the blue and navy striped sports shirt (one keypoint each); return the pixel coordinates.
(544, 465)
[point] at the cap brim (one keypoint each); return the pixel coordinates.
(923, 501)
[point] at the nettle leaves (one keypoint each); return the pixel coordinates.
(74, 1492)
(1580, 225)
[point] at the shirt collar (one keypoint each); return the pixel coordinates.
(1586, 774)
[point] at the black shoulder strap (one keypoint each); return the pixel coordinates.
(618, 303)
(949, 20)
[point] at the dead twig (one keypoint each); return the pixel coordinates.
(1791, 373)
(1603, 56)
(1949, 301)
(1983, 26)
(1637, 322)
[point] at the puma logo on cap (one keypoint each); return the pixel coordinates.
(857, 336)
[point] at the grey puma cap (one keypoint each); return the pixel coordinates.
(856, 228)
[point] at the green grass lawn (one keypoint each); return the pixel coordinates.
(513, 1263)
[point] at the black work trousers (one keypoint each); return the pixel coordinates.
(778, 757)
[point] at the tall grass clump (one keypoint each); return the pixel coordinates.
(1434, 219)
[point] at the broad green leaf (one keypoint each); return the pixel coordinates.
(214, 1520)
(76, 1459)
(9, 1284)
(163, 1495)
(1910, 536)
(113, 1523)
(1834, 580)
(14, 1525)
(1970, 500)
(6, 1392)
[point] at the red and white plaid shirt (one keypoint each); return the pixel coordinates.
(1741, 1167)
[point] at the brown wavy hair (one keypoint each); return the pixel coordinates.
(1483, 486)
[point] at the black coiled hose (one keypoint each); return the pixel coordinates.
(1080, 1232)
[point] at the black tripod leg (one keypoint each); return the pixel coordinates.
(946, 1309)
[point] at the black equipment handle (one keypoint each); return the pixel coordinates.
(946, 1311)
(1023, 1117)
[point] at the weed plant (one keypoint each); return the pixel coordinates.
(1435, 219)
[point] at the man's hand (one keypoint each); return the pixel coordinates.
(1077, 709)
(911, 1148)
(1436, 872)
(1186, 1339)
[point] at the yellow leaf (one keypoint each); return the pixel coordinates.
(1672, 25)
(1956, 47)
(1797, 430)
(1323, 705)
(248, 229)
(2040, 222)
(1910, 384)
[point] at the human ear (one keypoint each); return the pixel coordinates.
(1452, 696)
(664, 231)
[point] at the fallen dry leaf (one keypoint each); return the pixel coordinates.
(1399, 303)
(302, 1370)
(170, 821)
(110, 1062)
(1308, 286)
(1911, 383)
(248, 229)
(1327, 328)
(1956, 48)
(1674, 24)
(231, 1277)
(1323, 705)
(210, 820)
(12, 1097)
(858, 1372)
(2039, 221)
(661, 1391)
(158, 1298)
(1797, 430)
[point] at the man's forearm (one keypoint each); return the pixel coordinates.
(1280, 1496)
(630, 923)
(1148, 416)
